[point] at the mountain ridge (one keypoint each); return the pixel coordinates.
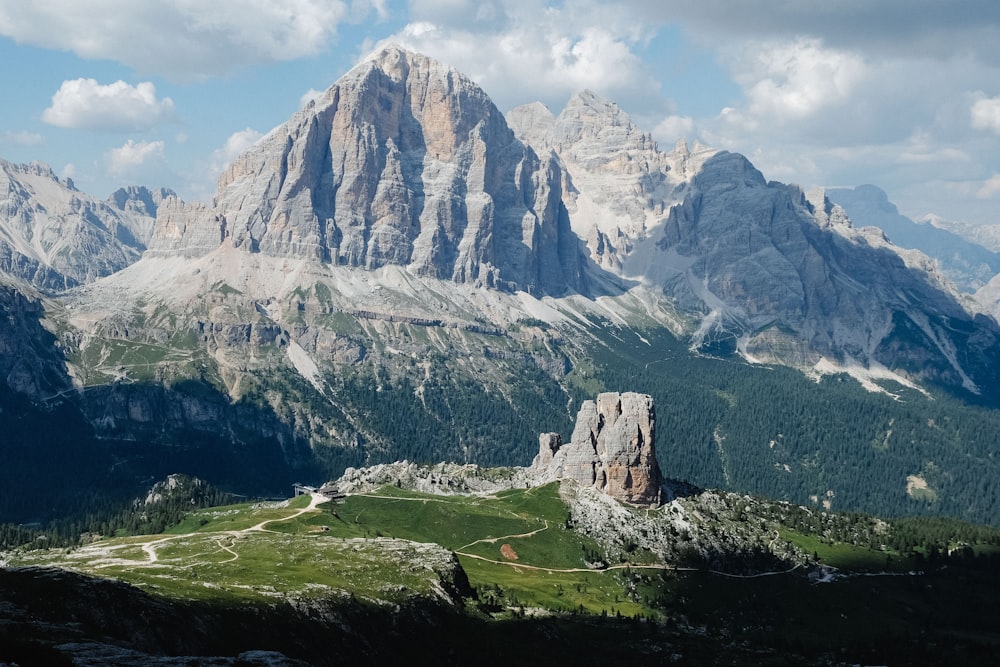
(337, 305)
(56, 237)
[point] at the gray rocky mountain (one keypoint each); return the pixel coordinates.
(396, 272)
(619, 184)
(612, 449)
(406, 162)
(969, 265)
(762, 268)
(987, 236)
(54, 236)
(142, 205)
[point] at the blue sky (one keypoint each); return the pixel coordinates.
(901, 93)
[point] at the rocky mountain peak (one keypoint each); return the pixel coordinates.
(619, 182)
(403, 161)
(589, 131)
(612, 449)
(140, 199)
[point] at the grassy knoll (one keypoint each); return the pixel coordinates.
(531, 522)
(513, 546)
(231, 554)
(848, 557)
(501, 586)
(387, 545)
(236, 517)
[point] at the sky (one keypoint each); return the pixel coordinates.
(904, 94)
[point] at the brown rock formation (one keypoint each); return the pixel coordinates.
(612, 449)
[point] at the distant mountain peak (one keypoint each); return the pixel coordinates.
(54, 236)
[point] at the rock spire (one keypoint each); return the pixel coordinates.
(612, 449)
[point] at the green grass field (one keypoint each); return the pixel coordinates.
(391, 545)
(514, 546)
(849, 557)
(382, 546)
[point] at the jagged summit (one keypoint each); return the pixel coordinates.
(404, 161)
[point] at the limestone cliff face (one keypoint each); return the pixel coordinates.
(403, 161)
(612, 449)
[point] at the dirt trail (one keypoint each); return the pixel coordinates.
(150, 547)
(313, 503)
(494, 540)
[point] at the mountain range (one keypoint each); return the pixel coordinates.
(401, 269)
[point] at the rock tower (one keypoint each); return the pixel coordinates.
(612, 449)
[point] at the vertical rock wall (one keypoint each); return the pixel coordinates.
(612, 449)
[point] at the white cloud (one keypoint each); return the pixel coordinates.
(990, 188)
(672, 128)
(309, 96)
(183, 39)
(789, 80)
(134, 154)
(22, 138)
(890, 27)
(236, 144)
(521, 51)
(68, 171)
(986, 114)
(86, 104)
(923, 148)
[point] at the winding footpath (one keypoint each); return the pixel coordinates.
(150, 547)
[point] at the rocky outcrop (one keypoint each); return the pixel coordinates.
(403, 161)
(612, 449)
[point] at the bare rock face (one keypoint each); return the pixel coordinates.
(618, 183)
(612, 449)
(54, 236)
(403, 161)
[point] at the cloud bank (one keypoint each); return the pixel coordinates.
(182, 39)
(86, 104)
